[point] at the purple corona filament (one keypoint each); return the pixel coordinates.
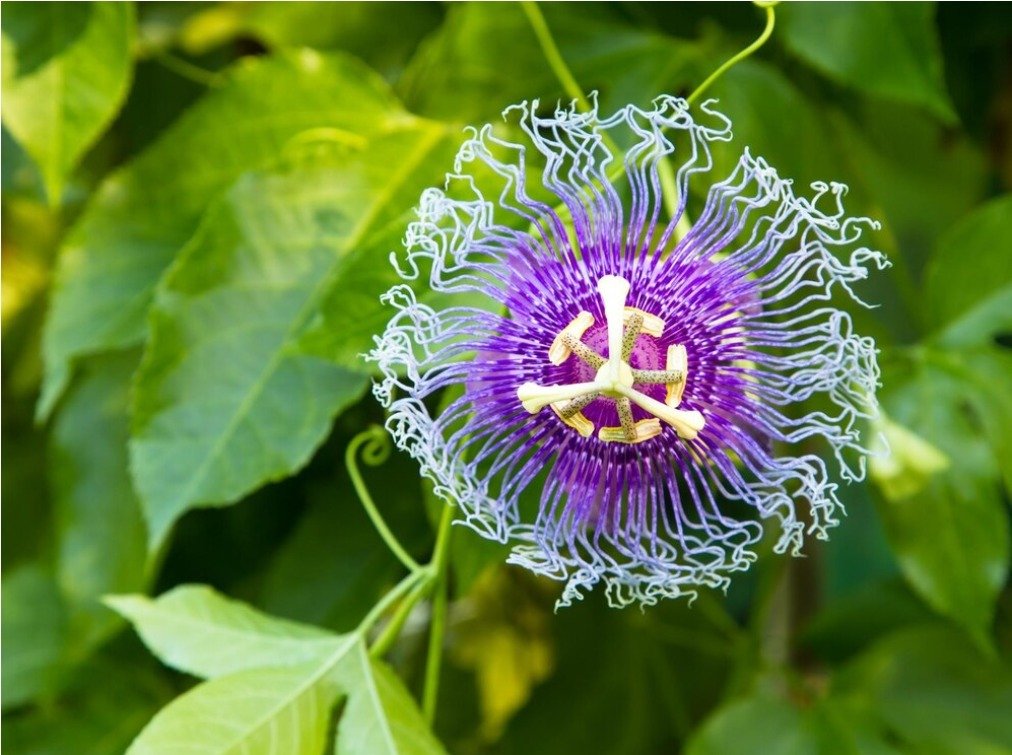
(621, 401)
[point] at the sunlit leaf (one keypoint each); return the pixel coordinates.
(66, 71)
(144, 213)
(260, 711)
(886, 49)
(196, 630)
(226, 399)
(380, 718)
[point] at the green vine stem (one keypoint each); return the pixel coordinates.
(734, 60)
(375, 445)
(389, 599)
(434, 658)
(393, 629)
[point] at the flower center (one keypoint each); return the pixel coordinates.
(615, 377)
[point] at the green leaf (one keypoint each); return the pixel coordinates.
(273, 682)
(968, 283)
(933, 690)
(773, 727)
(380, 717)
(226, 399)
(884, 49)
(259, 711)
(143, 213)
(66, 71)
(353, 27)
(34, 628)
(952, 537)
(102, 542)
(194, 629)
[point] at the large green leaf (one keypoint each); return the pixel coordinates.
(102, 542)
(753, 725)
(886, 49)
(259, 711)
(144, 213)
(196, 630)
(273, 682)
(34, 629)
(225, 399)
(933, 690)
(354, 27)
(951, 537)
(968, 287)
(66, 71)
(380, 717)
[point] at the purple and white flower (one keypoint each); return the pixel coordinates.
(613, 392)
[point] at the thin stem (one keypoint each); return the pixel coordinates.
(188, 70)
(393, 628)
(389, 599)
(730, 63)
(552, 54)
(434, 659)
(376, 451)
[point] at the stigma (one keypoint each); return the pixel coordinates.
(614, 376)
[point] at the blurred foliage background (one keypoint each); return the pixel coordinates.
(199, 200)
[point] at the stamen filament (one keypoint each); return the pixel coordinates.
(536, 397)
(583, 352)
(633, 326)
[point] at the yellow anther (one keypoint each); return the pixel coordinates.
(645, 429)
(678, 361)
(559, 352)
(577, 420)
(652, 324)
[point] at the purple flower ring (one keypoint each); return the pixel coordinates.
(609, 389)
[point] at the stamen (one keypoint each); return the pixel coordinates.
(624, 408)
(583, 351)
(575, 420)
(633, 326)
(559, 351)
(657, 377)
(686, 424)
(678, 361)
(643, 430)
(576, 406)
(652, 324)
(536, 397)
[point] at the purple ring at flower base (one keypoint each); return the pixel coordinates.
(634, 382)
